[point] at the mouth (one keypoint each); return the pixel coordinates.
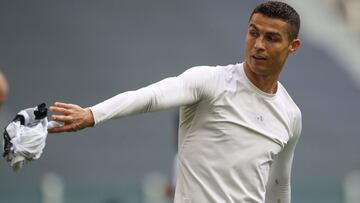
(258, 57)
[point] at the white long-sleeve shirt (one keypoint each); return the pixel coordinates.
(236, 142)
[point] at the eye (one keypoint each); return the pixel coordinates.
(253, 33)
(272, 38)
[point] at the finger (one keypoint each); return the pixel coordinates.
(65, 105)
(54, 124)
(61, 118)
(61, 129)
(59, 110)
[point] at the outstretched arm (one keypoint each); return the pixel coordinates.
(185, 89)
(278, 187)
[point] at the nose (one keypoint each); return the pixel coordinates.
(259, 43)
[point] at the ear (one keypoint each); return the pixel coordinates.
(294, 45)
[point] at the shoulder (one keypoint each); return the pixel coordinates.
(204, 71)
(208, 73)
(293, 109)
(289, 101)
(206, 79)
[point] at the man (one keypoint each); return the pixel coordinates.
(238, 125)
(3, 88)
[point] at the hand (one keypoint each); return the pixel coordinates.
(72, 116)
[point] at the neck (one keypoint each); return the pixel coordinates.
(266, 83)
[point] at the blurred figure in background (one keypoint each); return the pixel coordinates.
(5, 114)
(170, 188)
(352, 15)
(4, 88)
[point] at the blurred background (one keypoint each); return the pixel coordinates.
(86, 51)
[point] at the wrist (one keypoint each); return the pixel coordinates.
(90, 121)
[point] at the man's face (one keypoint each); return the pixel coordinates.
(267, 45)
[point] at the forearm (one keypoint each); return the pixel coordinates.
(165, 94)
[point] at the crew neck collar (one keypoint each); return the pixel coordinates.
(241, 69)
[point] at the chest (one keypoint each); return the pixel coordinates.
(235, 111)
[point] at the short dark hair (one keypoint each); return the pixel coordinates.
(282, 11)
